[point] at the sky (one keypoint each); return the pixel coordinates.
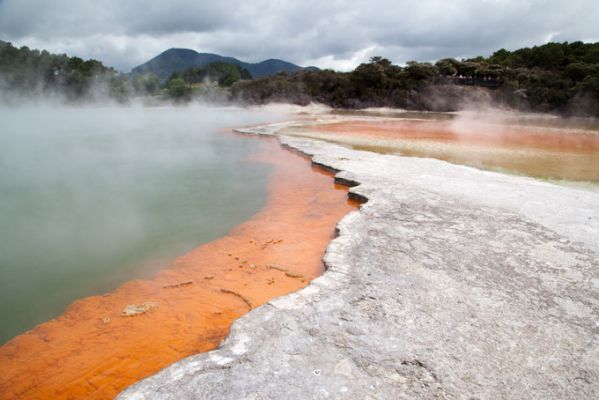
(325, 33)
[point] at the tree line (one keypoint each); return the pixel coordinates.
(27, 73)
(555, 77)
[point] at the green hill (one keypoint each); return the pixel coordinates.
(32, 73)
(554, 77)
(177, 60)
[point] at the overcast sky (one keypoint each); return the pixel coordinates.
(326, 33)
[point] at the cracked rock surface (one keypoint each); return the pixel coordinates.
(449, 283)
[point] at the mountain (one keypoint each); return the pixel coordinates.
(172, 60)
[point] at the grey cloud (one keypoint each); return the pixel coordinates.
(151, 17)
(334, 33)
(59, 18)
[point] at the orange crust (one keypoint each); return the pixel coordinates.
(93, 351)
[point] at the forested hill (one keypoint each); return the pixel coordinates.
(555, 77)
(177, 60)
(34, 73)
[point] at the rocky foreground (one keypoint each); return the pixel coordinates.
(448, 283)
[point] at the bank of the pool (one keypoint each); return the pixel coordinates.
(449, 282)
(102, 344)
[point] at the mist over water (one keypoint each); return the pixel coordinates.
(92, 197)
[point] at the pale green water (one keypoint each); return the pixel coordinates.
(92, 197)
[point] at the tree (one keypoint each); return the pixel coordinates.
(447, 66)
(146, 84)
(178, 89)
(420, 71)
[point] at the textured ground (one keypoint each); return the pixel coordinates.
(449, 283)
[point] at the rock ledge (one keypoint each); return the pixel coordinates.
(449, 283)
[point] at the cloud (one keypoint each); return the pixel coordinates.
(335, 34)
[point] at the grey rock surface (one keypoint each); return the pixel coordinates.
(449, 283)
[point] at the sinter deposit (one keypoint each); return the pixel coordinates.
(449, 283)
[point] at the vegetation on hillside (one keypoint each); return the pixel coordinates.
(27, 72)
(555, 77)
(209, 80)
(177, 60)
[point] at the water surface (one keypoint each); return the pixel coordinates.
(542, 146)
(92, 197)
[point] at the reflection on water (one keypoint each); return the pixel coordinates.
(577, 167)
(503, 117)
(92, 197)
(391, 113)
(545, 147)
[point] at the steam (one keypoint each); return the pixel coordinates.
(91, 194)
(483, 122)
(492, 121)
